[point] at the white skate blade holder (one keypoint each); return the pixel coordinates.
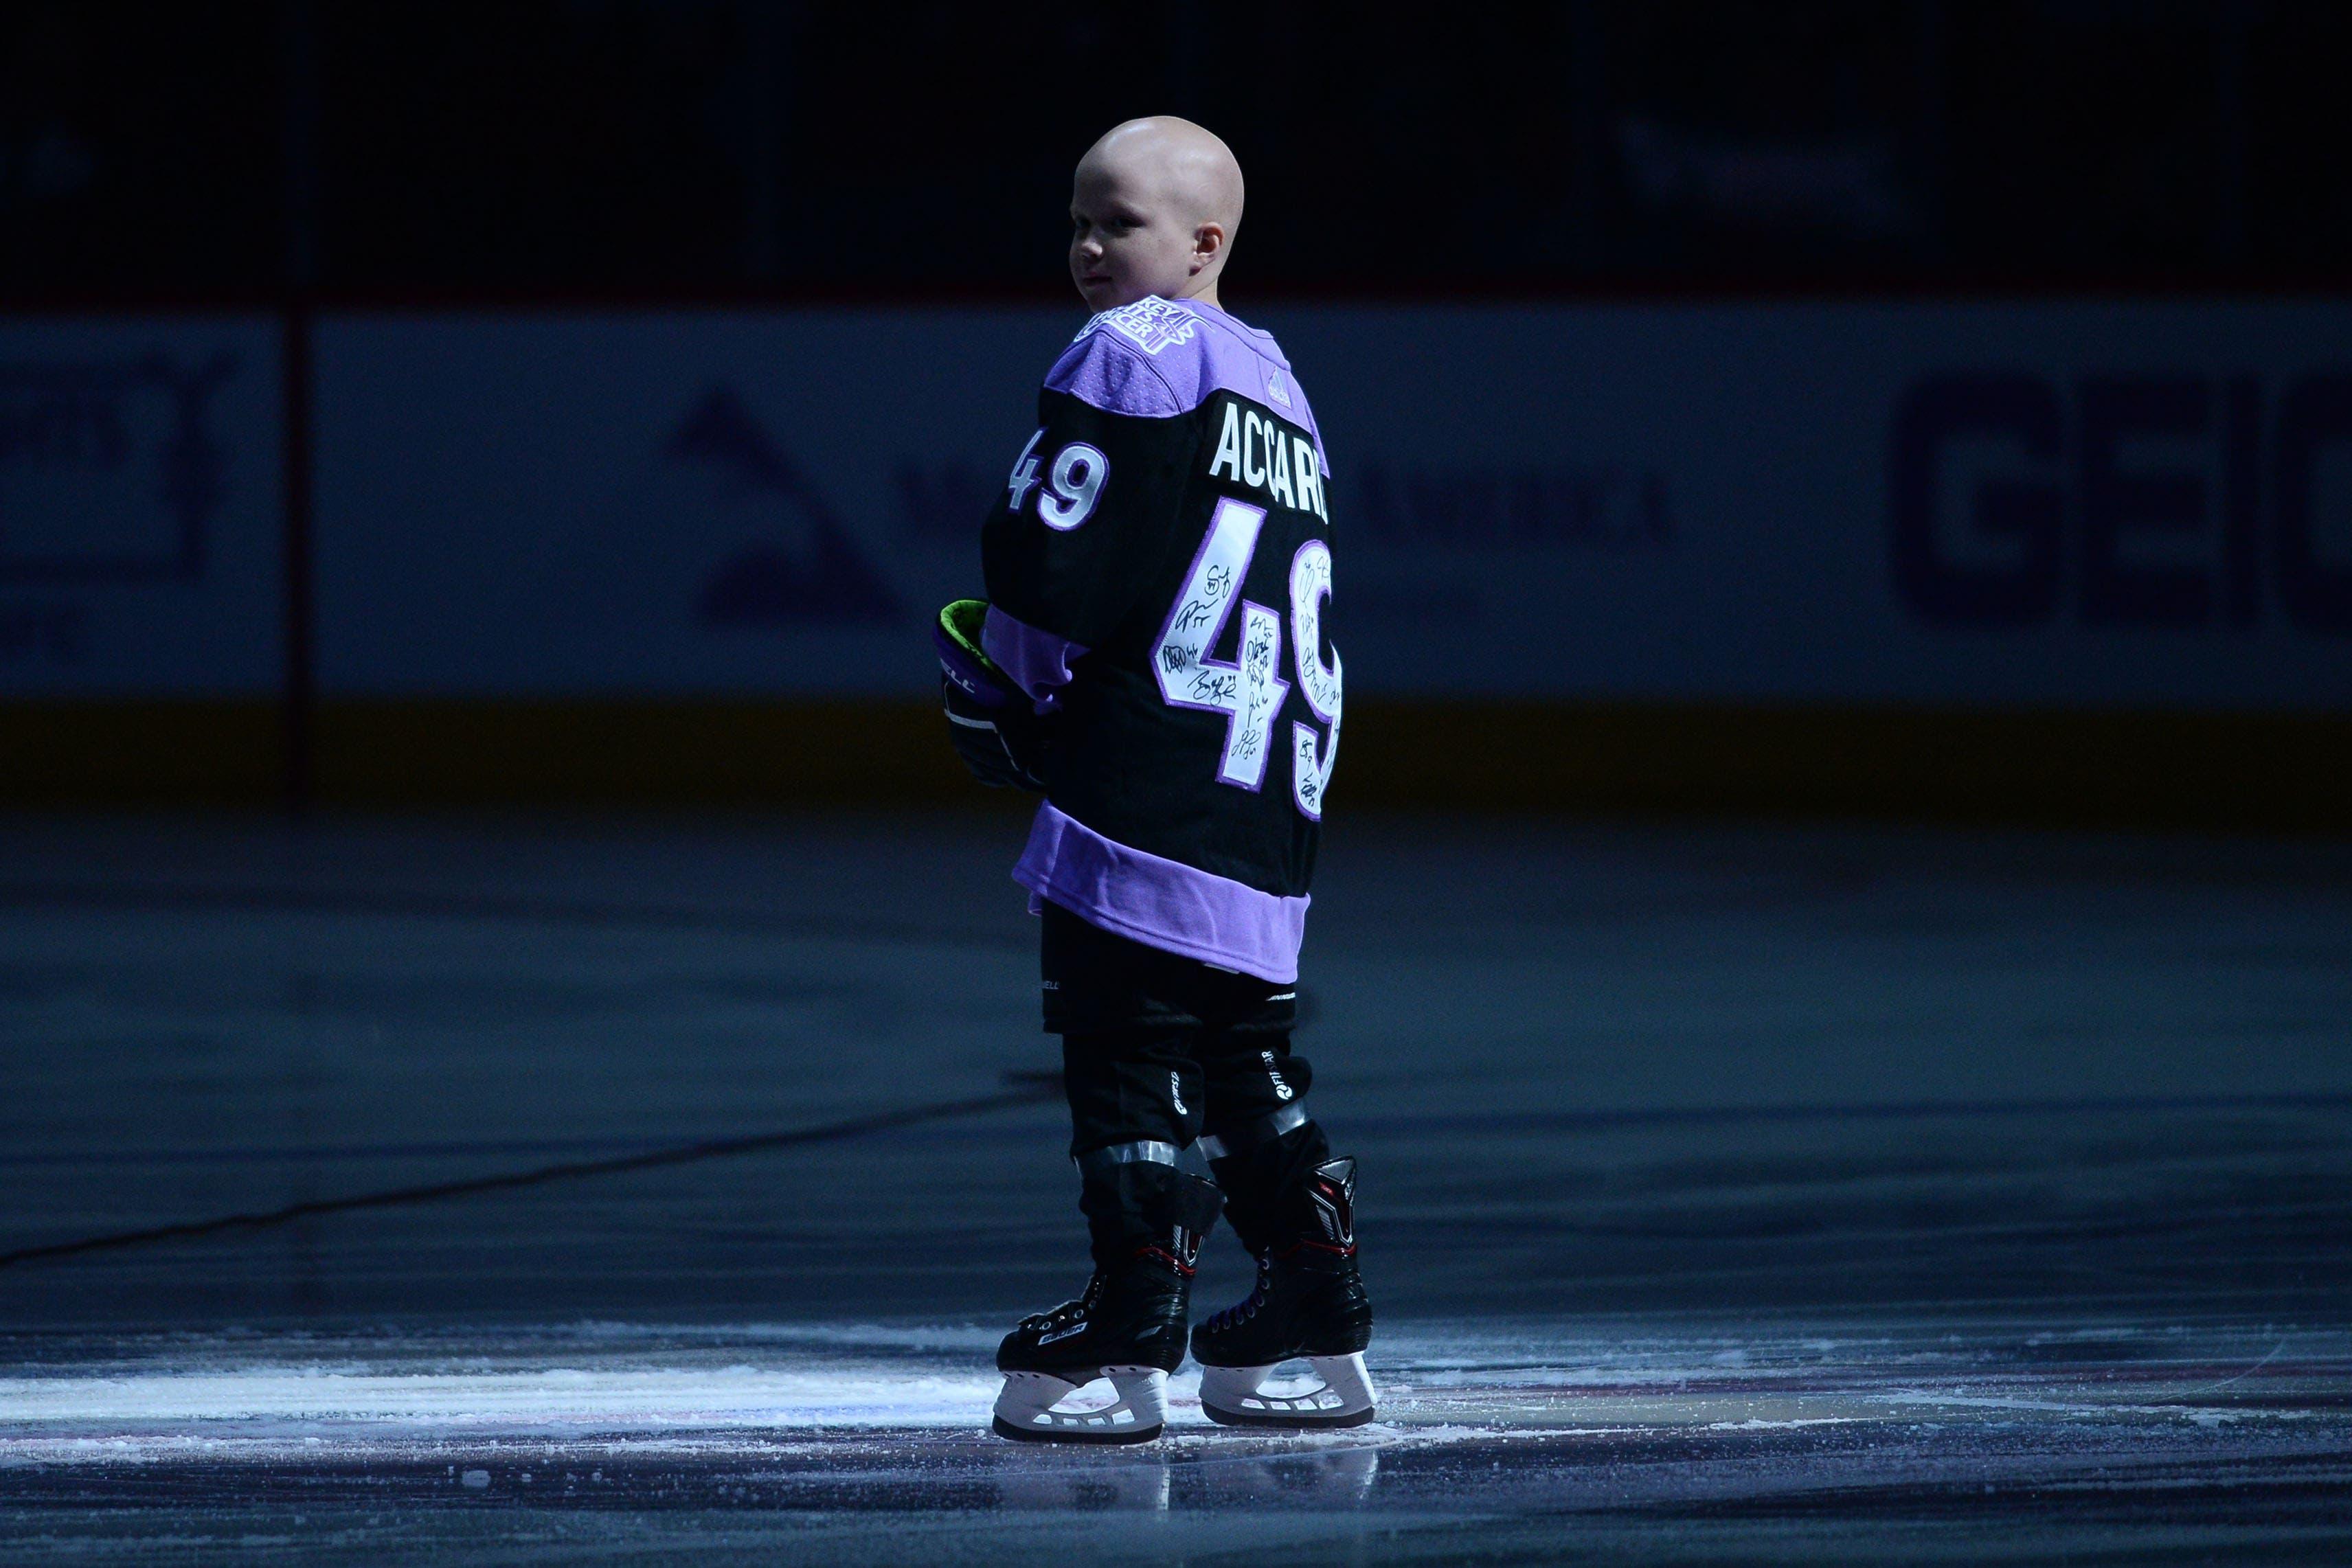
(1339, 1396)
(1029, 1409)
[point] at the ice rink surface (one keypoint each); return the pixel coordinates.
(1729, 1195)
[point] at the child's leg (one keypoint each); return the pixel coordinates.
(1131, 1074)
(1261, 1142)
(1293, 1207)
(1135, 1096)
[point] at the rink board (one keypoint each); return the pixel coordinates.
(142, 523)
(2077, 504)
(1762, 555)
(2071, 505)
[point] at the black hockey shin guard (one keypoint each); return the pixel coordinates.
(1135, 1201)
(1263, 1166)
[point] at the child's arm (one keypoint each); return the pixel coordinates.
(1087, 511)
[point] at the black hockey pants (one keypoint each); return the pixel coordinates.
(1159, 1051)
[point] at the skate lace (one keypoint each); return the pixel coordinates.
(1241, 1312)
(1068, 1312)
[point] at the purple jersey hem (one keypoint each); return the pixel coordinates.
(1161, 902)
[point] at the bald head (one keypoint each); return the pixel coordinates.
(1153, 207)
(1189, 168)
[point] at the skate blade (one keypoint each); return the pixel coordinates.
(1236, 1396)
(1027, 1411)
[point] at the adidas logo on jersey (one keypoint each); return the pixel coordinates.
(1152, 324)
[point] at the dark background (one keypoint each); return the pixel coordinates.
(657, 150)
(1744, 1179)
(300, 159)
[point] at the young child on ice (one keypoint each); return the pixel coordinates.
(1150, 658)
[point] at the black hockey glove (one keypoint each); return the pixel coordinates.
(996, 729)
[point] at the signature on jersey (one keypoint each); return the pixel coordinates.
(1214, 686)
(1195, 614)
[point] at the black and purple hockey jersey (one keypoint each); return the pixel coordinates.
(1158, 568)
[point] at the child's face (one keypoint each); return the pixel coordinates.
(1128, 239)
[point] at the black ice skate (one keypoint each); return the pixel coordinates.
(1128, 1327)
(1310, 1304)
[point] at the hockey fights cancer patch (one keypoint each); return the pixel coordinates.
(1152, 324)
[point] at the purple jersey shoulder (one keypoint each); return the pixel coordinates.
(1160, 358)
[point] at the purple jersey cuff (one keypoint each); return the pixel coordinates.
(1161, 902)
(1037, 661)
